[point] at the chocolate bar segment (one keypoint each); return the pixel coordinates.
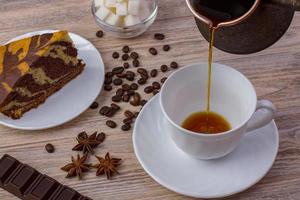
(27, 183)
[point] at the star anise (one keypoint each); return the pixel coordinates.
(77, 167)
(87, 143)
(107, 166)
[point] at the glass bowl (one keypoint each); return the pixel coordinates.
(128, 31)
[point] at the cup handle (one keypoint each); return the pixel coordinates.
(264, 114)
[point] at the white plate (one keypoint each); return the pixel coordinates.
(177, 171)
(72, 99)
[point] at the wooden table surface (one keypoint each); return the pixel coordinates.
(275, 72)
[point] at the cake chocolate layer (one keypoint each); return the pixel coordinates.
(27, 183)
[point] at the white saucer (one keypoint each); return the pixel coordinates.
(72, 99)
(175, 170)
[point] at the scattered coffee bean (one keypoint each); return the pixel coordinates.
(122, 75)
(136, 114)
(111, 124)
(49, 148)
(117, 70)
(126, 98)
(134, 55)
(107, 87)
(125, 57)
(143, 72)
(118, 81)
(136, 63)
(116, 98)
(136, 100)
(119, 92)
(99, 34)
(163, 79)
(166, 47)
(115, 55)
(148, 89)
(153, 73)
(110, 112)
(130, 75)
(159, 36)
(103, 111)
(156, 85)
(153, 51)
(142, 81)
(100, 137)
(128, 114)
(130, 92)
(134, 86)
(126, 127)
(94, 105)
(155, 92)
(143, 102)
(126, 65)
(127, 120)
(115, 106)
(109, 74)
(164, 68)
(174, 65)
(125, 87)
(126, 49)
(107, 81)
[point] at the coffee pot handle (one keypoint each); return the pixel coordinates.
(264, 114)
(295, 4)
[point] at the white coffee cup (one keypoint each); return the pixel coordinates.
(232, 95)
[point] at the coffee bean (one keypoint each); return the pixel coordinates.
(128, 114)
(125, 57)
(99, 34)
(156, 85)
(107, 81)
(127, 120)
(118, 81)
(143, 102)
(134, 55)
(109, 74)
(126, 127)
(143, 72)
(174, 65)
(142, 81)
(110, 112)
(119, 92)
(115, 55)
(148, 89)
(49, 148)
(130, 92)
(136, 114)
(166, 47)
(107, 87)
(155, 92)
(116, 98)
(100, 137)
(136, 100)
(104, 110)
(136, 63)
(163, 79)
(111, 124)
(153, 73)
(94, 105)
(159, 36)
(115, 106)
(126, 65)
(130, 75)
(122, 75)
(164, 68)
(126, 98)
(126, 49)
(134, 86)
(153, 51)
(125, 87)
(117, 70)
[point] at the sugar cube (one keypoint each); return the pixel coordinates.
(121, 9)
(103, 12)
(113, 19)
(110, 3)
(133, 7)
(98, 3)
(131, 20)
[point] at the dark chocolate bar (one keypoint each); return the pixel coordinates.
(27, 183)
